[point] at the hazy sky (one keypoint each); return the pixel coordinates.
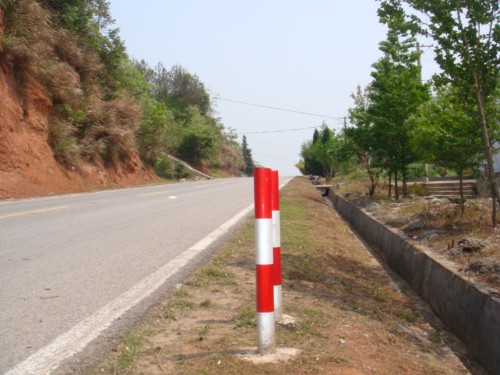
(307, 56)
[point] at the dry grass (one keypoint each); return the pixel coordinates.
(350, 318)
(63, 142)
(38, 48)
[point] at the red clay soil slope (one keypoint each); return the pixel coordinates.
(27, 164)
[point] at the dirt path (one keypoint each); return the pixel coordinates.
(351, 317)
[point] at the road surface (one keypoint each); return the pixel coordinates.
(73, 266)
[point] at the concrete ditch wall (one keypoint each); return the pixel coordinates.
(467, 309)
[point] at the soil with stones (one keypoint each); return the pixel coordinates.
(463, 236)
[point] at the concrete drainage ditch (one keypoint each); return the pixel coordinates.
(466, 308)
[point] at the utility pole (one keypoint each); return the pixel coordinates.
(419, 61)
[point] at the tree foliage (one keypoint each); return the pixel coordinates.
(360, 139)
(247, 157)
(467, 33)
(395, 94)
(323, 154)
(445, 134)
(104, 104)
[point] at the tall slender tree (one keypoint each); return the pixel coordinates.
(360, 141)
(467, 36)
(395, 94)
(247, 157)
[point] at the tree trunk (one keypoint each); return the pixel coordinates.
(390, 184)
(461, 178)
(462, 200)
(396, 187)
(374, 176)
(495, 189)
(405, 185)
(494, 211)
(374, 181)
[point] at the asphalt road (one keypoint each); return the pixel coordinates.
(72, 265)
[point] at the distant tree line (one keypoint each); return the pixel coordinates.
(398, 122)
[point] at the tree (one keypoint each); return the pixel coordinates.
(467, 34)
(395, 94)
(446, 135)
(247, 157)
(311, 165)
(326, 152)
(199, 137)
(154, 130)
(360, 141)
(322, 155)
(181, 89)
(91, 20)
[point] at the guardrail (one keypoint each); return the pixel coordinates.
(188, 167)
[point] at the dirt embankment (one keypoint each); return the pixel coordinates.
(27, 164)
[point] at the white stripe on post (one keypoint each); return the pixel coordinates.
(264, 261)
(263, 236)
(275, 205)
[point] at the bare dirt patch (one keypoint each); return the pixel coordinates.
(351, 316)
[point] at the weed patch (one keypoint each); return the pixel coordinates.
(170, 310)
(127, 352)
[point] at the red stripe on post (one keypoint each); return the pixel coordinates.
(277, 265)
(265, 288)
(262, 180)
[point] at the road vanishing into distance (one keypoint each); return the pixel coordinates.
(77, 270)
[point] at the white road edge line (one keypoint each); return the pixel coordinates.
(76, 339)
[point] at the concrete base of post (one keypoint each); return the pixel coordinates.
(265, 333)
(281, 355)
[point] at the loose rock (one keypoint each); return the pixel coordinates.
(414, 225)
(485, 267)
(469, 245)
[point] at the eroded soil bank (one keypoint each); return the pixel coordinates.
(28, 167)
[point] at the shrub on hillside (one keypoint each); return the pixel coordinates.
(109, 127)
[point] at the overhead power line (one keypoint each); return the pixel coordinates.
(277, 108)
(282, 130)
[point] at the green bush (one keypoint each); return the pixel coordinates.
(418, 189)
(167, 168)
(64, 145)
(415, 170)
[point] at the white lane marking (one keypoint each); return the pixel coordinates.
(172, 197)
(155, 193)
(76, 339)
